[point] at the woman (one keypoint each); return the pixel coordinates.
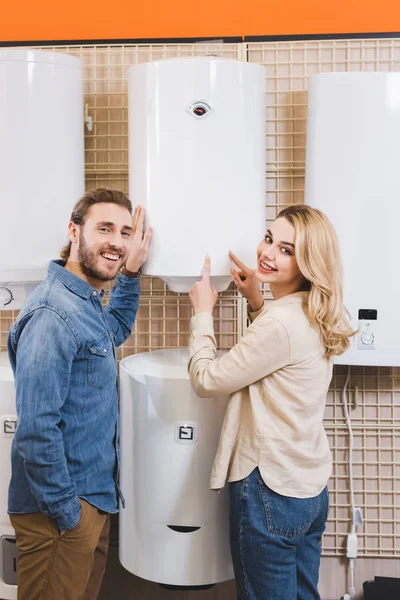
(273, 448)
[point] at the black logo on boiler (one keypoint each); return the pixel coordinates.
(199, 108)
(186, 432)
(10, 426)
(199, 111)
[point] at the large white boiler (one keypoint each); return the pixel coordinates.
(197, 163)
(352, 175)
(41, 163)
(174, 529)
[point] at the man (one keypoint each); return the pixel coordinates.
(62, 348)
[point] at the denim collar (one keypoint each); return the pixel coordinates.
(71, 281)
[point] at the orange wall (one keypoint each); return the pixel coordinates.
(28, 20)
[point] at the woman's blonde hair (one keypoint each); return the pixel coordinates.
(318, 257)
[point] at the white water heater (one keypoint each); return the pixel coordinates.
(174, 529)
(197, 163)
(41, 163)
(8, 423)
(352, 175)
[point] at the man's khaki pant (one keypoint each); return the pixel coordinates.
(69, 566)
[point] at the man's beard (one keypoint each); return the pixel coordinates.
(87, 259)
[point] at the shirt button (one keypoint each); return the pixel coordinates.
(94, 293)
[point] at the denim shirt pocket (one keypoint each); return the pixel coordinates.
(101, 368)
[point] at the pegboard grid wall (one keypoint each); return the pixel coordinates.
(163, 317)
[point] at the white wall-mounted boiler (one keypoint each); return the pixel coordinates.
(197, 163)
(174, 529)
(352, 175)
(41, 163)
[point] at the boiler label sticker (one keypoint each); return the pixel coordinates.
(185, 433)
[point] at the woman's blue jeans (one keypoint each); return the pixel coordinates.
(275, 541)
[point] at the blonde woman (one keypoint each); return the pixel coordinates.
(273, 448)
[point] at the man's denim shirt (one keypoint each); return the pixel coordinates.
(62, 351)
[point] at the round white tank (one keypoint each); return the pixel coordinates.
(197, 163)
(8, 420)
(352, 175)
(41, 159)
(174, 529)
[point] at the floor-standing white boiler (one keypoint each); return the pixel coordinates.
(8, 423)
(174, 529)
